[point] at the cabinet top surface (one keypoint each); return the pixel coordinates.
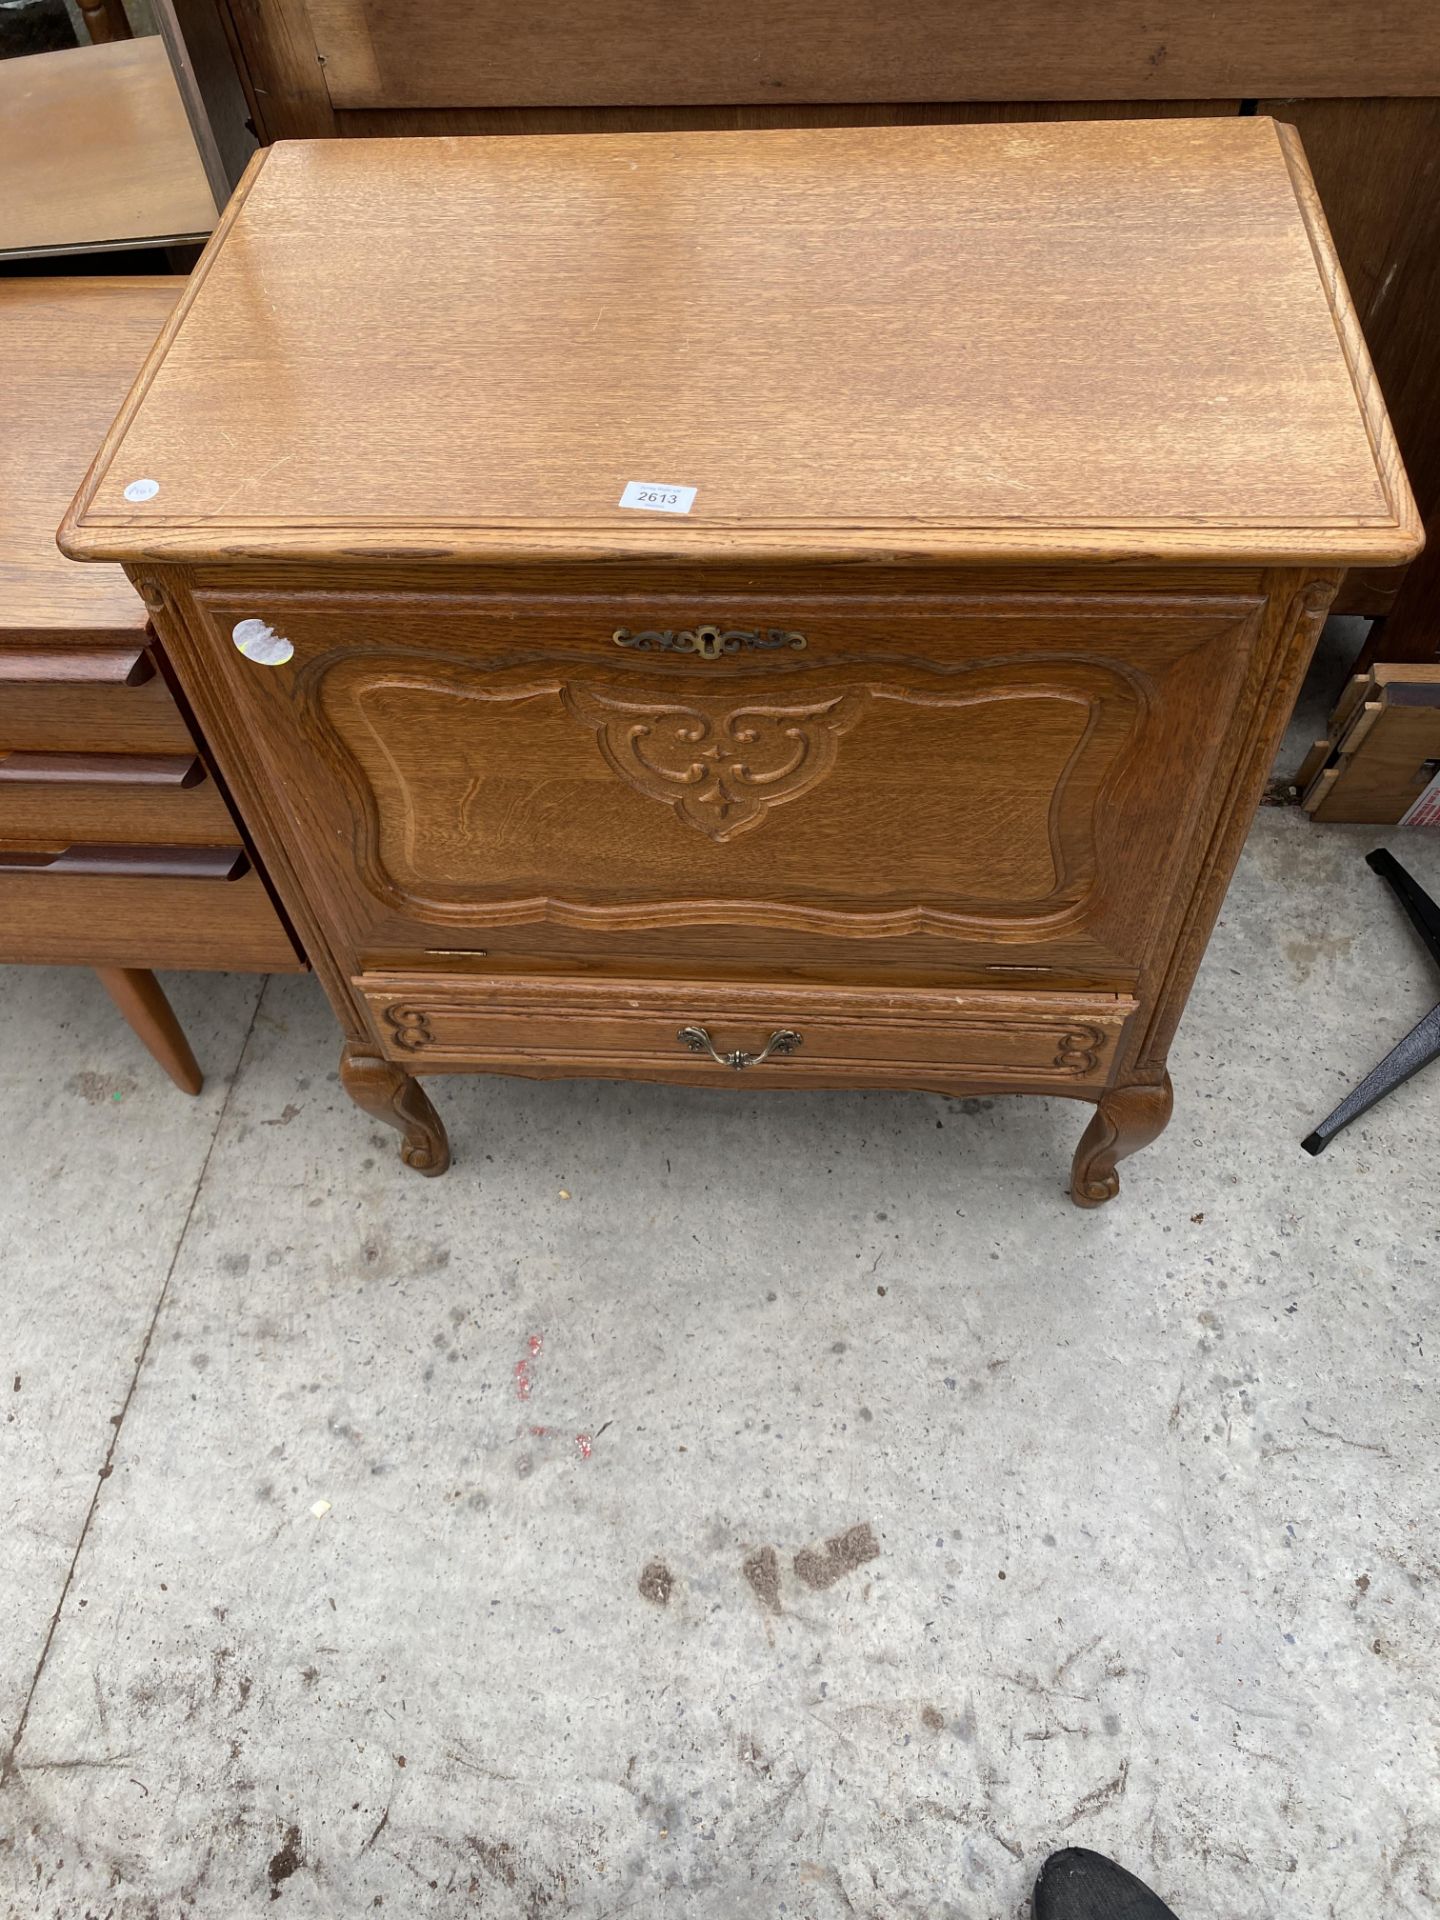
(70, 349)
(1099, 340)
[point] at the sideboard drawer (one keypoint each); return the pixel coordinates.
(101, 699)
(127, 798)
(153, 918)
(815, 1036)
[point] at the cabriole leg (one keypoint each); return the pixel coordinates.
(1126, 1119)
(392, 1096)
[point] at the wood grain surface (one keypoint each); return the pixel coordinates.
(452, 53)
(96, 151)
(70, 350)
(80, 919)
(1097, 340)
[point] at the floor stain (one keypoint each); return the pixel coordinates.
(657, 1583)
(1099, 1797)
(497, 1857)
(96, 1088)
(842, 1555)
(289, 1857)
(1305, 955)
(762, 1570)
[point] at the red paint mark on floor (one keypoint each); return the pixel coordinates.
(585, 1444)
(537, 1342)
(522, 1379)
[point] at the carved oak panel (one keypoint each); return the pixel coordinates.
(964, 774)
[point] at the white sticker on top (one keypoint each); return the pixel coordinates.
(651, 497)
(139, 490)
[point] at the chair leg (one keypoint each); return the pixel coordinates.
(1419, 1047)
(1422, 1044)
(1423, 912)
(141, 999)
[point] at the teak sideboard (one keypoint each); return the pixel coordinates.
(119, 848)
(917, 747)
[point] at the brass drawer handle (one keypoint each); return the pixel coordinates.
(783, 1040)
(709, 642)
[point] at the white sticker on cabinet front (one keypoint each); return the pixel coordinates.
(260, 642)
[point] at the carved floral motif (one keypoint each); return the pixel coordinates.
(720, 766)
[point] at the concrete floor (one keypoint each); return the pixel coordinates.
(304, 1608)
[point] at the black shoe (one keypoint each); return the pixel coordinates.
(1076, 1884)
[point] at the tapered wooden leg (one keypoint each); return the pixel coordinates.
(141, 999)
(392, 1096)
(1126, 1119)
(105, 20)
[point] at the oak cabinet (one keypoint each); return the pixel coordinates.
(918, 751)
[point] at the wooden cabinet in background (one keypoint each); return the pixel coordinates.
(919, 750)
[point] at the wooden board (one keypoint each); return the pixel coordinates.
(448, 53)
(371, 122)
(70, 350)
(1383, 746)
(1121, 340)
(96, 151)
(1389, 768)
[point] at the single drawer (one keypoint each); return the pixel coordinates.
(137, 798)
(100, 699)
(165, 908)
(772, 1035)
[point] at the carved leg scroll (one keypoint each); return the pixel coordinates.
(402, 1103)
(1126, 1119)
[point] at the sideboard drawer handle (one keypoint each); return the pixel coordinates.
(67, 666)
(133, 863)
(697, 1039)
(105, 769)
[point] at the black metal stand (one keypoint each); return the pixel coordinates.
(1422, 1044)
